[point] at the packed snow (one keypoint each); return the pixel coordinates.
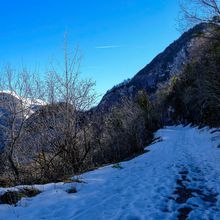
(178, 178)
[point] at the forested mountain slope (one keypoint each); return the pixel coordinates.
(162, 68)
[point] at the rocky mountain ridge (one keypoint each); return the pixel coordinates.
(161, 69)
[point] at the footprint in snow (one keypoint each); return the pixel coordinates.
(205, 197)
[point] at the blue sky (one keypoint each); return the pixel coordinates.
(117, 37)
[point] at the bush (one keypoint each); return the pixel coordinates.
(12, 197)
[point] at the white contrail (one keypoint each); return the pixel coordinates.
(108, 46)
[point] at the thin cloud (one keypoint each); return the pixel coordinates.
(108, 46)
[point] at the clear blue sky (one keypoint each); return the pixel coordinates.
(117, 37)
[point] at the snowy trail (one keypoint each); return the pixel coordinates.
(178, 179)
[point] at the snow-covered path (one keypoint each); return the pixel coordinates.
(179, 177)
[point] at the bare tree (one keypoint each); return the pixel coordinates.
(19, 95)
(127, 128)
(63, 126)
(199, 11)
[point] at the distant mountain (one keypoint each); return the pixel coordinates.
(12, 107)
(160, 70)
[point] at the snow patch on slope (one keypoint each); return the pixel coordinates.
(28, 104)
